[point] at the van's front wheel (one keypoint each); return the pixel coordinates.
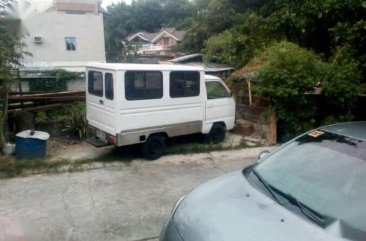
(217, 134)
(154, 147)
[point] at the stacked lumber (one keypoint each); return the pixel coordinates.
(34, 101)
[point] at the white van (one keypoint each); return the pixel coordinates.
(139, 103)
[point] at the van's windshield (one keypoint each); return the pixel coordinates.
(324, 171)
(216, 90)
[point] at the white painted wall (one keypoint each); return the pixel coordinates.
(53, 27)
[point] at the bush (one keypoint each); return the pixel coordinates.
(343, 84)
(56, 115)
(72, 118)
(289, 75)
(76, 120)
(51, 80)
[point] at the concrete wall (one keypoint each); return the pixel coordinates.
(76, 85)
(256, 118)
(53, 27)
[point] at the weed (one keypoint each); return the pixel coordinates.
(75, 120)
(10, 167)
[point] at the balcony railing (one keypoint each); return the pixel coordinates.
(151, 48)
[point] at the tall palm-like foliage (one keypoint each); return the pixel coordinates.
(11, 32)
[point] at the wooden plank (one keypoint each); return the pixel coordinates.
(13, 99)
(41, 108)
(50, 94)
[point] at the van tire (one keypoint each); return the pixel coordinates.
(217, 134)
(154, 147)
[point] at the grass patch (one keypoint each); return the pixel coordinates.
(196, 144)
(121, 154)
(194, 148)
(10, 167)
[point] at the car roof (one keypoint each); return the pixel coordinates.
(352, 129)
(161, 67)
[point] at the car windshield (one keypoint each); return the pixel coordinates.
(324, 171)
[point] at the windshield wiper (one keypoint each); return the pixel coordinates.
(311, 214)
(267, 186)
(305, 210)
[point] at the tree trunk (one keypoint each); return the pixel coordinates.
(4, 113)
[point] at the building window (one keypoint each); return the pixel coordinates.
(143, 85)
(215, 90)
(184, 84)
(108, 84)
(95, 83)
(166, 41)
(70, 43)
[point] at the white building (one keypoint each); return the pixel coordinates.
(66, 35)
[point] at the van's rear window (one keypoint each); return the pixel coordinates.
(143, 85)
(95, 83)
(184, 84)
(108, 78)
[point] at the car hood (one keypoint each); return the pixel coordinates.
(229, 208)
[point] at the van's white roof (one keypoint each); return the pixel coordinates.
(211, 77)
(143, 67)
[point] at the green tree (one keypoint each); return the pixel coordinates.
(343, 84)
(320, 25)
(217, 17)
(149, 13)
(118, 23)
(10, 56)
(177, 13)
(238, 45)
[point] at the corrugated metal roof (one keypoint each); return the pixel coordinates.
(186, 58)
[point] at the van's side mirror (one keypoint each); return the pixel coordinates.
(262, 154)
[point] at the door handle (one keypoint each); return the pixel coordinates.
(101, 102)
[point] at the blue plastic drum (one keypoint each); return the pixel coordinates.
(31, 144)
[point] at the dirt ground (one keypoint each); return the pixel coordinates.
(74, 150)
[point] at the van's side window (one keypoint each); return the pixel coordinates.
(108, 79)
(143, 85)
(95, 83)
(216, 90)
(184, 84)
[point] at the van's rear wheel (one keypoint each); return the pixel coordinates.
(154, 147)
(217, 134)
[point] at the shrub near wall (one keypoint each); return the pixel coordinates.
(51, 80)
(288, 77)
